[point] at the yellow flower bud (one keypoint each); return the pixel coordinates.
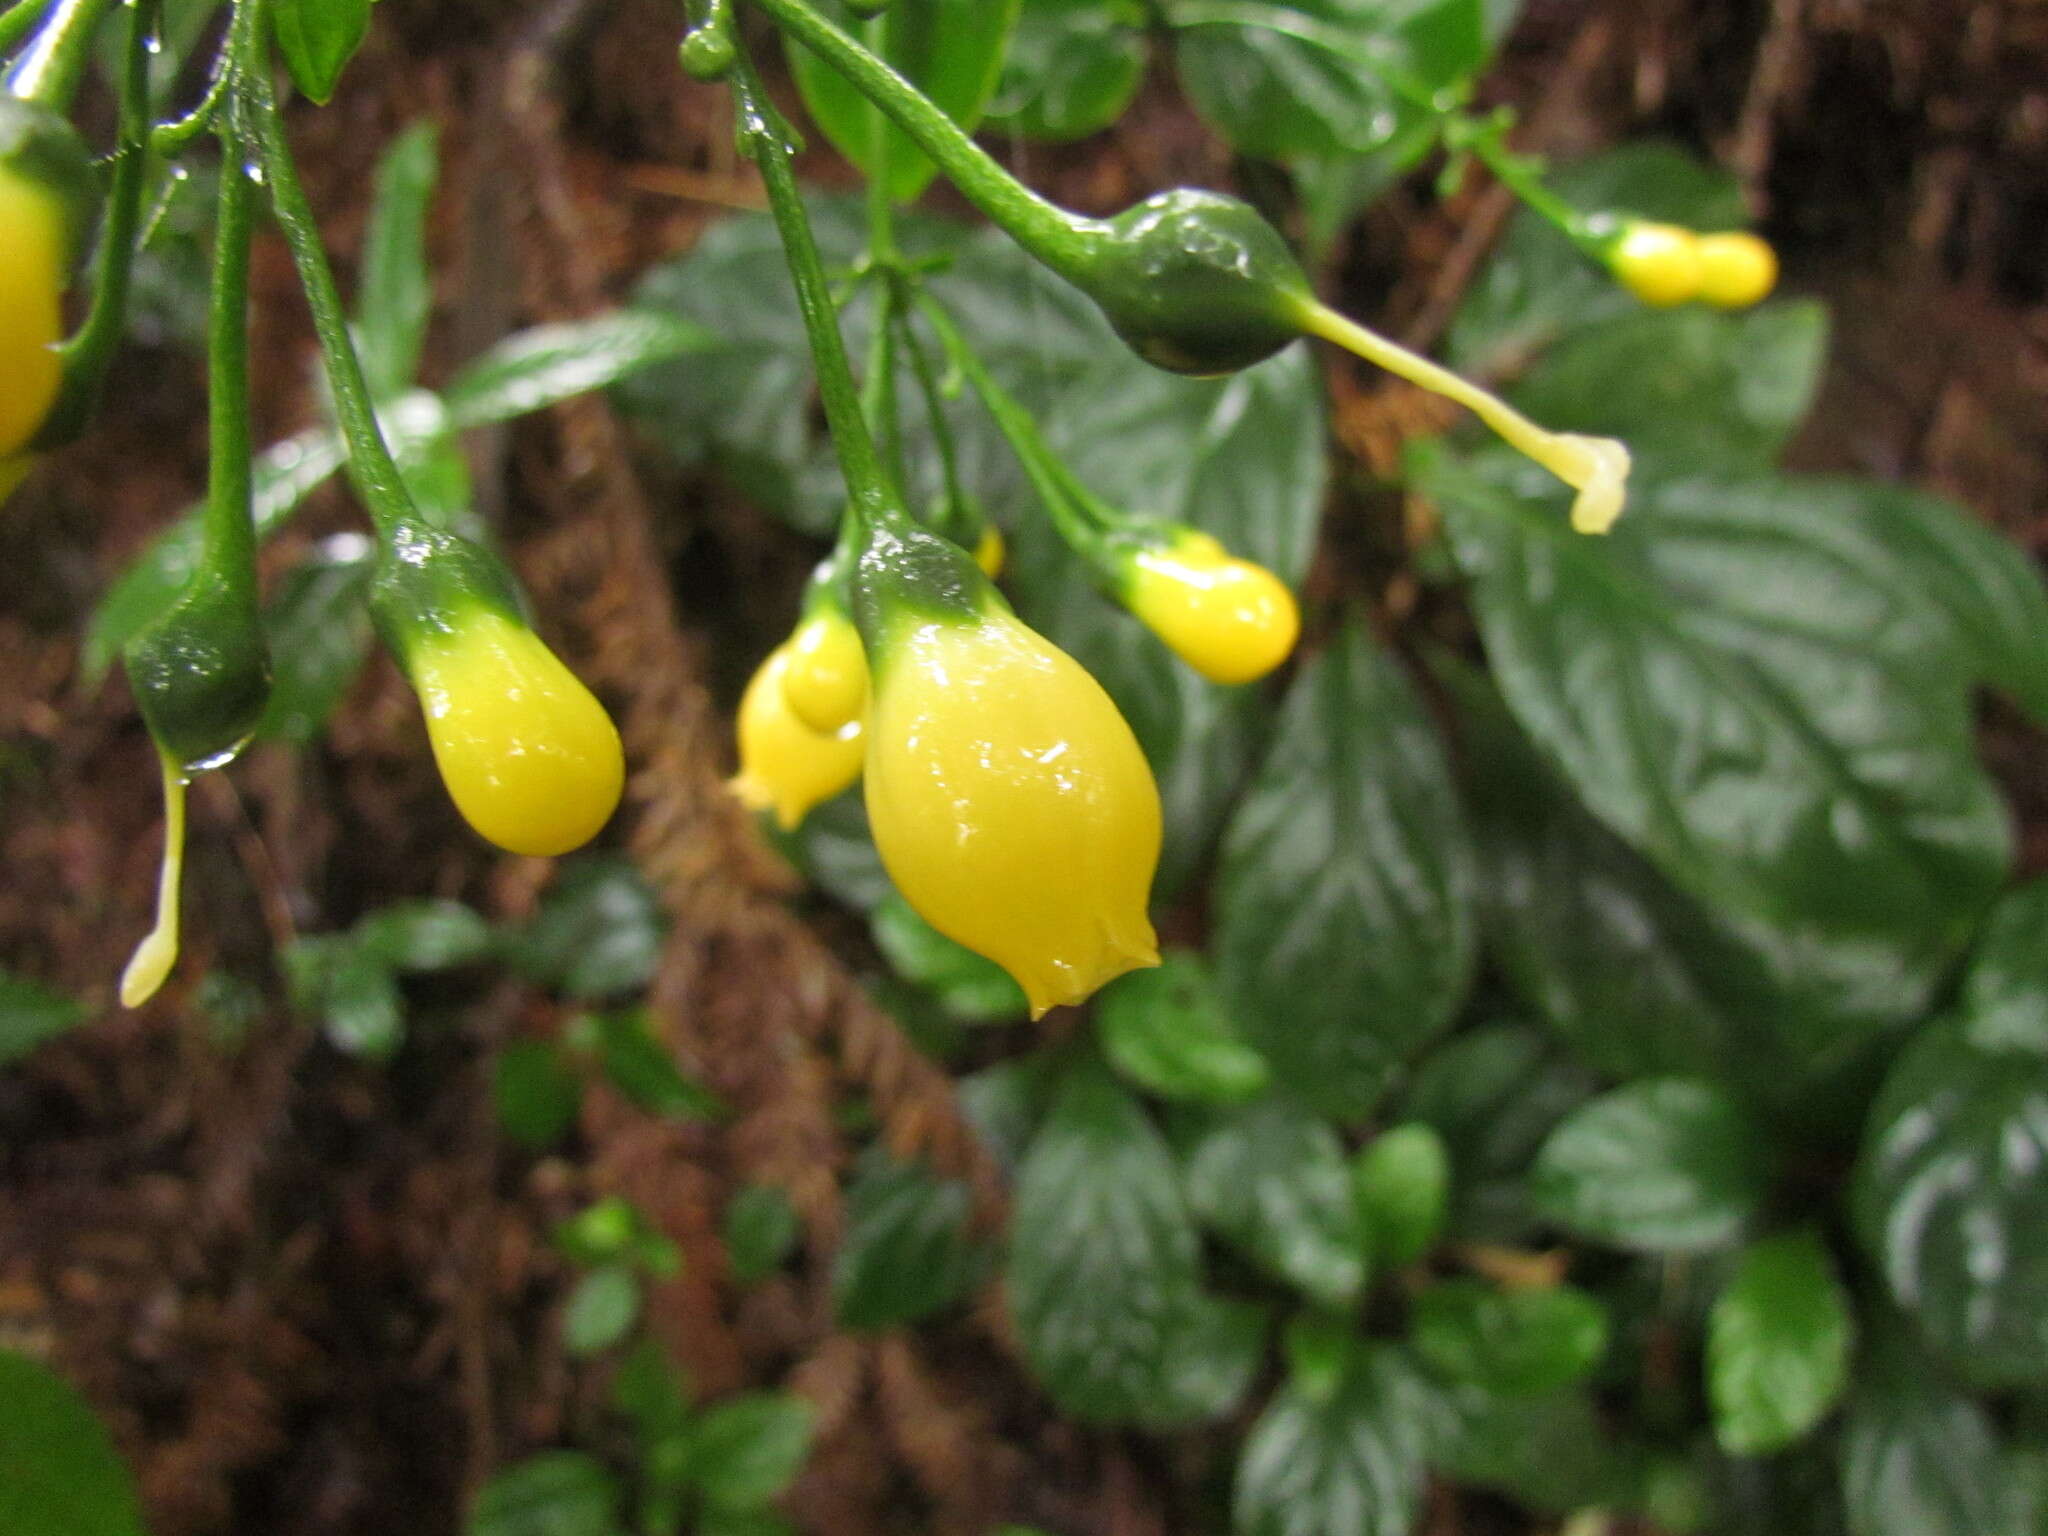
(1658, 263)
(785, 766)
(31, 318)
(529, 756)
(990, 552)
(1231, 620)
(1737, 270)
(1011, 803)
(825, 677)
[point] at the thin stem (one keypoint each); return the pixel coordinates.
(20, 19)
(762, 137)
(230, 527)
(51, 68)
(1523, 176)
(1061, 240)
(89, 353)
(935, 406)
(371, 468)
(168, 138)
(878, 393)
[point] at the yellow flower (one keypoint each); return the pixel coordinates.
(1736, 270)
(31, 318)
(785, 766)
(1010, 802)
(1231, 620)
(529, 756)
(825, 678)
(1658, 263)
(990, 552)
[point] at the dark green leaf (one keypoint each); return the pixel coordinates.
(1005, 1103)
(1951, 1193)
(601, 1310)
(1103, 1255)
(598, 932)
(1166, 1030)
(1344, 927)
(1211, 1358)
(1315, 77)
(1748, 687)
(1271, 1180)
(967, 987)
(1073, 67)
(317, 39)
(651, 1391)
(1777, 1345)
(951, 50)
(761, 1231)
(748, 1449)
(395, 293)
(1919, 1459)
(1549, 1451)
(537, 368)
(1669, 1164)
(319, 635)
(31, 1013)
(1401, 1183)
(557, 1493)
(351, 991)
(1517, 1343)
(907, 1252)
(835, 850)
(640, 1067)
(421, 936)
(59, 1472)
(1349, 1466)
(537, 1098)
(1336, 188)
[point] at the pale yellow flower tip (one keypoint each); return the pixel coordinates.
(785, 766)
(1011, 804)
(1597, 468)
(1737, 270)
(529, 756)
(151, 964)
(1658, 263)
(991, 552)
(1231, 620)
(825, 677)
(31, 314)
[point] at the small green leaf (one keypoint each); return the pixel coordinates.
(761, 1231)
(31, 1013)
(319, 633)
(1666, 1165)
(1918, 1458)
(317, 39)
(1073, 67)
(1272, 1181)
(1550, 1451)
(1777, 1345)
(59, 1472)
(424, 936)
(639, 1066)
(907, 1252)
(395, 294)
(1520, 1343)
(601, 1310)
(1401, 1183)
(598, 932)
(604, 1233)
(537, 1099)
(557, 1493)
(968, 987)
(533, 369)
(650, 1390)
(1320, 1349)
(1166, 1030)
(747, 1450)
(354, 993)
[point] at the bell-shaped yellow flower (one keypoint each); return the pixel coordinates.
(1231, 620)
(32, 257)
(785, 766)
(1737, 269)
(1658, 263)
(1009, 800)
(825, 676)
(529, 756)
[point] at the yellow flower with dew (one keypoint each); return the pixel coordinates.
(1229, 619)
(785, 766)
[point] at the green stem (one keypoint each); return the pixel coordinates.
(1523, 176)
(20, 19)
(935, 406)
(878, 392)
(50, 70)
(230, 526)
(371, 468)
(166, 139)
(89, 353)
(1061, 240)
(763, 138)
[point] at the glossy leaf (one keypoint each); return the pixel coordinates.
(1344, 926)
(395, 293)
(1167, 1031)
(1918, 1458)
(319, 632)
(533, 369)
(557, 1493)
(967, 987)
(951, 50)
(59, 1472)
(1777, 1345)
(31, 1013)
(1272, 1181)
(641, 1068)
(1518, 1342)
(598, 932)
(422, 936)
(749, 1449)
(1401, 1183)
(1073, 67)
(601, 1310)
(1550, 1451)
(1666, 1165)
(908, 1251)
(317, 39)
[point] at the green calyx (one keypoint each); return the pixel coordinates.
(1195, 282)
(201, 673)
(39, 145)
(908, 575)
(429, 582)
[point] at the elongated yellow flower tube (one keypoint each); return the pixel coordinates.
(32, 257)
(1010, 802)
(1231, 620)
(529, 756)
(785, 766)
(825, 674)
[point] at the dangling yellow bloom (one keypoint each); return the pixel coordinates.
(1658, 263)
(529, 756)
(1737, 269)
(32, 256)
(1231, 620)
(785, 766)
(1010, 802)
(825, 677)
